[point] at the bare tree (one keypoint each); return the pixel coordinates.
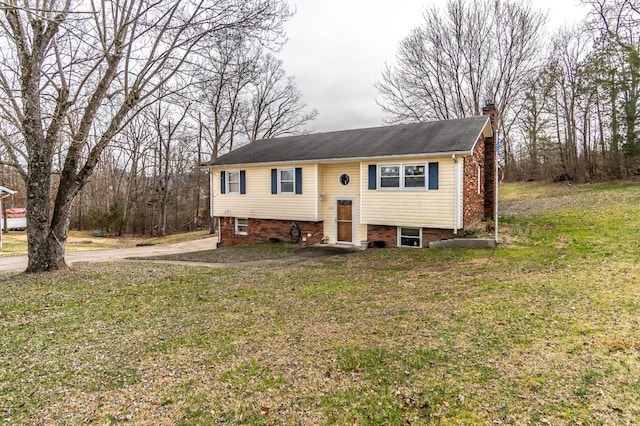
(167, 127)
(246, 95)
(73, 73)
(223, 74)
(471, 51)
(275, 106)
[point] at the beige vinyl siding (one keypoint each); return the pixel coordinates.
(320, 188)
(406, 207)
(334, 190)
(259, 203)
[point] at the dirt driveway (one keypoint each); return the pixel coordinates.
(19, 263)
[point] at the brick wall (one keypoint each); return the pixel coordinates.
(433, 234)
(474, 201)
(264, 230)
(389, 234)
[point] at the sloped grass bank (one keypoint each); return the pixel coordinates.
(541, 330)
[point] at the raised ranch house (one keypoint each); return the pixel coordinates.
(394, 186)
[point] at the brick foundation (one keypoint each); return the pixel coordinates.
(433, 234)
(382, 233)
(268, 230)
(389, 235)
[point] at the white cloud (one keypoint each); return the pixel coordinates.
(337, 50)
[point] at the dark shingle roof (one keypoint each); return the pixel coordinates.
(437, 137)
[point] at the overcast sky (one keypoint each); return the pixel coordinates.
(337, 49)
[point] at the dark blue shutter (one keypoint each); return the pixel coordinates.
(274, 181)
(373, 176)
(223, 183)
(298, 180)
(243, 182)
(433, 175)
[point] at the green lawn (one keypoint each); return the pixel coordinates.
(543, 330)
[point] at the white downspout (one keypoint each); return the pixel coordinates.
(456, 195)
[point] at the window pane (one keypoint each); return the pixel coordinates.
(409, 242)
(233, 182)
(390, 182)
(286, 174)
(414, 182)
(386, 171)
(286, 180)
(410, 232)
(414, 170)
(242, 226)
(390, 176)
(414, 176)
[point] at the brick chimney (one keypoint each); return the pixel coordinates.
(490, 161)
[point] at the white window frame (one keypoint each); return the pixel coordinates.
(380, 177)
(400, 235)
(293, 181)
(424, 175)
(228, 181)
(402, 176)
(242, 228)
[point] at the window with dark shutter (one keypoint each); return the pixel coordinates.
(243, 182)
(298, 180)
(433, 175)
(373, 176)
(274, 181)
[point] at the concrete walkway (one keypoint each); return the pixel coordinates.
(19, 263)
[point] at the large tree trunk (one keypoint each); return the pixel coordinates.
(38, 215)
(46, 231)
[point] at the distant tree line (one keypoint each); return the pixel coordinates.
(568, 102)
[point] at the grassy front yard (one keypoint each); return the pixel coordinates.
(544, 330)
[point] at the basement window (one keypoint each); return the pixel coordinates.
(242, 226)
(410, 237)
